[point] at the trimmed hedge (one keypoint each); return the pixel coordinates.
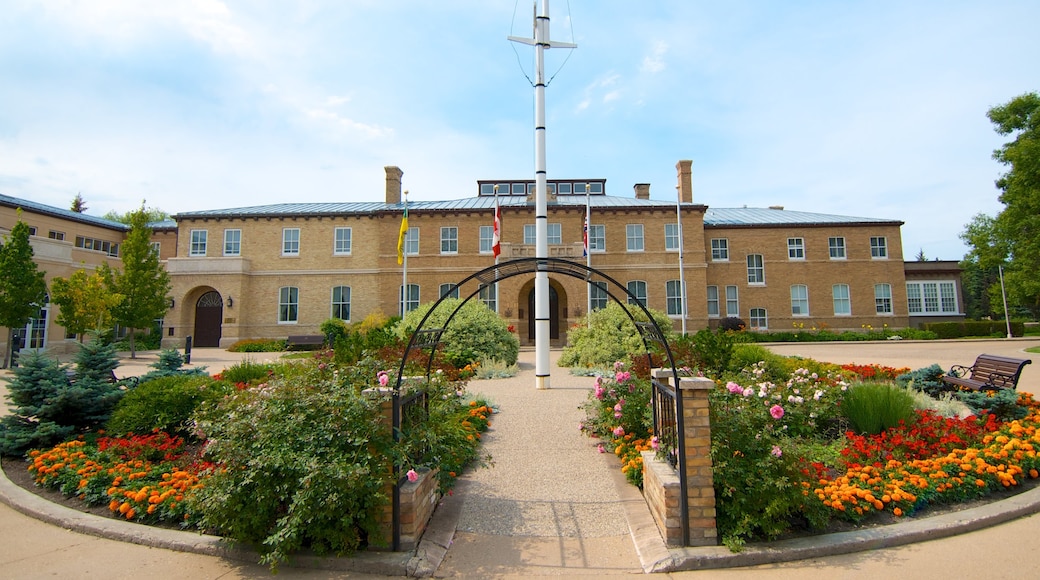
(974, 328)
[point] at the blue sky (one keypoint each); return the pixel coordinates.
(859, 108)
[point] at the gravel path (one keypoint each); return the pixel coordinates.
(547, 479)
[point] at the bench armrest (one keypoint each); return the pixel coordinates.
(1005, 380)
(960, 370)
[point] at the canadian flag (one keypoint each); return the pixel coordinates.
(585, 237)
(496, 237)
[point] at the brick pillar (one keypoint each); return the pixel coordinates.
(700, 484)
(385, 539)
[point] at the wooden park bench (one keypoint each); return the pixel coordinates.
(990, 372)
(308, 341)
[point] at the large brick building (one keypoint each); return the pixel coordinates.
(278, 270)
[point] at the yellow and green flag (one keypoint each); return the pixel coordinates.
(401, 235)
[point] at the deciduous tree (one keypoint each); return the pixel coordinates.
(85, 301)
(143, 281)
(23, 289)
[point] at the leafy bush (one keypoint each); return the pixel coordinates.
(712, 350)
(246, 371)
(874, 407)
(474, 333)
(732, 323)
(305, 464)
(258, 345)
(165, 403)
(1002, 403)
(618, 412)
(609, 337)
(170, 363)
(964, 328)
(332, 329)
(927, 379)
(773, 367)
(495, 369)
(48, 407)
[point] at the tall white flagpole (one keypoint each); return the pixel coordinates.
(588, 253)
(541, 42)
(496, 240)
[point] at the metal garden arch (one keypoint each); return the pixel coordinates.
(423, 338)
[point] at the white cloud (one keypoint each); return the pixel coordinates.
(653, 63)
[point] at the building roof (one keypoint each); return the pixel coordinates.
(718, 217)
(40, 208)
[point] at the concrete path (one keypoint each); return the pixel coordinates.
(551, 505)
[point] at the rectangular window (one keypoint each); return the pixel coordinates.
(671, 237)
(519, 188)
(411, 241)
(530, 234)
(673, 297)
(563, 188)
(836, 247)
(878, 248)
(713, 301)
(341, 302)
(55, 235)
(597, 238)
(795, 248)
(719, 250)
(931, 298)
(291, 242)
(156, 248)
(449, 290)
(842, 302)
(756, 269)
(634, 237)
(599, 295)
(554, 233)
(409, 302)
(232, 242)
(32, 230)
(758, 320)
(198, 243)
(638, 289)
(341, 239)
(489, 296)
(487, 238)
(450, 240)
(883, 298)
(799, 300)
(288, 304)
(732, 304)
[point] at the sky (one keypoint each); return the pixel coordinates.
(858, 108)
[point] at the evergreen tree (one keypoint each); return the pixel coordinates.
(22, 287)
(78, 205)
(96, 361)
(143, 283)
(37, 380)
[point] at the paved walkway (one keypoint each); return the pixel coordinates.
(551, 505)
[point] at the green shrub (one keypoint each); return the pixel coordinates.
(745, 355)
(258, 345)
(305, 464)
(164, 403)
(927, 379)
(732, 323)
(332, 329)
(610, 336)
(1002, 403)
(170, 363)
(48, 407)
(873, 407)
(996, 328)
(495, 369)
(247, 371)
(713, 350)
(474, 333)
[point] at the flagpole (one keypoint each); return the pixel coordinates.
(404, 258)
(588, 255)
(496, 250)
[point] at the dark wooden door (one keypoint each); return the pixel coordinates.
(554, 315)
(209, 311)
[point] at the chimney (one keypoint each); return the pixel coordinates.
(393, 184)
(685, 185)
(642, 190)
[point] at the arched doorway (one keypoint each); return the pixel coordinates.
(554, 314)
(209, 311)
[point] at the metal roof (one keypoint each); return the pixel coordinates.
(712, 217)
(61, 213)
(764, 216)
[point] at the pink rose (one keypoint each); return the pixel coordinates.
(619, 431)
(412, 476)
(776, 411)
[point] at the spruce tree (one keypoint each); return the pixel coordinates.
(37, 381)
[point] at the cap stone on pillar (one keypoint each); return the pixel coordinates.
(642, 190)
(393, 184)
(685, 180)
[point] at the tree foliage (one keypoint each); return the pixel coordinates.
(85, 301)
(143, 282)
(1013, 236)
(23, 289)
(78, 205)
(476, 332)
(609, 337)
(152, 214)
